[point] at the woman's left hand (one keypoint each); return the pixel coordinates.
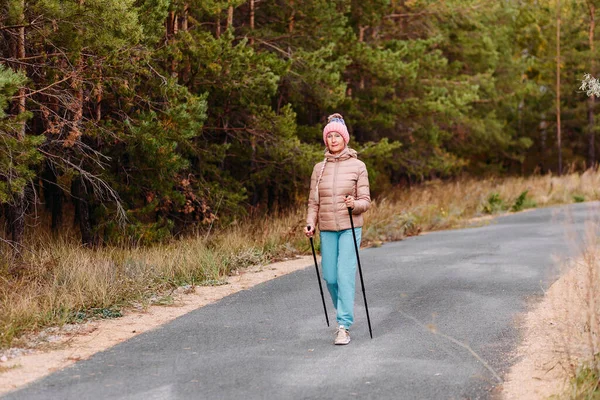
(349, 200)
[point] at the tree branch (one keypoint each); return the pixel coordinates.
(43, 89)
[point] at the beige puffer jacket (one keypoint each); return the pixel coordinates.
(344, 174)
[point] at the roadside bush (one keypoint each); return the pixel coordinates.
(523, 202)
(494, 204)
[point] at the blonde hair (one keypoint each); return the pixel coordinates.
(319, 179)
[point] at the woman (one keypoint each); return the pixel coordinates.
(338, 182)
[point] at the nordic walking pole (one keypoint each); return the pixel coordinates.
(362, 283)
(318, 276)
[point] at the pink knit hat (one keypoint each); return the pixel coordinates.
(336, 124)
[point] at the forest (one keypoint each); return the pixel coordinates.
(139, 121)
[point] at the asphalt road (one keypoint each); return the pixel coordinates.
(443, 306)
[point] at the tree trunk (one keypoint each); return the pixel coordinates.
(361, 33)
(75, 131)
(218, 29)
(170, 25)
(98, 113)
(543, 137)
(17, 51)
(77, 107)
(15, 210)
(172, 29)
(558, 132)
(252, 21)
(520, 108)
(20, 56)
(186, 69)
(292, 18)
(52, 196)
(15, 228)
(82, 207)
(591, 99)
(57, 208)
(229, 17)
(255, 197)
(184, 18)
(175, 26)
(361, 39)
(15, 221)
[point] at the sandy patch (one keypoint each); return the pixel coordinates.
(79, 342)
(558, 333)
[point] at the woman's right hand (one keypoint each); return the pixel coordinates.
(309, 231)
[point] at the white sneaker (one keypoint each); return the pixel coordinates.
(342, 336)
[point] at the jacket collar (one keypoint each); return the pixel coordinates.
(343, 155)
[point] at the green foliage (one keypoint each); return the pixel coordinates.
(159, 151)
(151, 16)
(316, 78)
(380, 160)
(584, 385)
(100, 26)
(578, 198)
(95, 313)
(18, 161)
(9, 83)
(18, 158)
(494, 204)
(523, 202)
(398, 227)
(194, 117)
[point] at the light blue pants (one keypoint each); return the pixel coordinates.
(338, 260)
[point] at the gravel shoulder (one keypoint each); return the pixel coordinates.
(556, 336)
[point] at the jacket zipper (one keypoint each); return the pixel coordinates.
(335, 211)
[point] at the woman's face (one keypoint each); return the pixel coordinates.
(335, 142)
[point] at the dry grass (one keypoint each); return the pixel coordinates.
(558, 358)
(442, 205)
(581, 334)
(65, 282)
